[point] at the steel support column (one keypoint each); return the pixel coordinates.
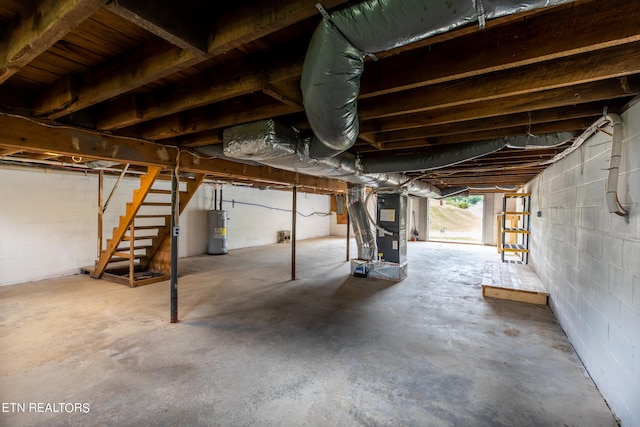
(293, 231)
(174, 248)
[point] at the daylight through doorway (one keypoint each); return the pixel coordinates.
(456, 219)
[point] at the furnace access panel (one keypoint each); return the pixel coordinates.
(392, 216)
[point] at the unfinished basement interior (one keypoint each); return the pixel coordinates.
(335, 213)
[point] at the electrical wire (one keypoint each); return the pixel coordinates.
(322, 214)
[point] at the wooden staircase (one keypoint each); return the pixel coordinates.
(141, 232)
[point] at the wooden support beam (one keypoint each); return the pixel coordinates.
(26, 135)
(288, 93)
(554, 98)
(585, 111)
(213, 86)
(536, 129)
(615, 61)
(254, 107)
(8, 151)
(609, 63)
(28, 35)
(143, 66)
(198, 139)
(545, 36)
(183, 24)
(154, 62)
(564, 71)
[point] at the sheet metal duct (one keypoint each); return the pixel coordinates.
(357, 208)
(273, 144)
(334, 61)
(449, 155)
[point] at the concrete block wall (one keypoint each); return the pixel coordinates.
(48, 222)
(589, 261)
(255, 216)
(48, 219)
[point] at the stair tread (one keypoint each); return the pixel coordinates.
(127, 255)
(148, 227)
(114, 259)
(153, 216)
(155, 204)
(128, 238)
(135, 248)
(159, 191)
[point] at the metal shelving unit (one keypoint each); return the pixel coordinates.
(515, 230)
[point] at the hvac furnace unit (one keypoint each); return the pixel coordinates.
(217, 232)
(392, 232)
(391, 241)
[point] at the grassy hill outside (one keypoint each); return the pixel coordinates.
(451, 223)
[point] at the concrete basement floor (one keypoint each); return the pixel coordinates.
(254, 348)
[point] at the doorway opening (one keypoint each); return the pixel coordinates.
(456, 219)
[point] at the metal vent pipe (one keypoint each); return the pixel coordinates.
(357, 208)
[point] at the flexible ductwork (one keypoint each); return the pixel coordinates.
(335, 58)
(273, 144)
(357, 208)
(452, 154)
(269, 143)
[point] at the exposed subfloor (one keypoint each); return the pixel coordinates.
(254, 348)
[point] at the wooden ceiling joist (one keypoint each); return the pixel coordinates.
(35, 30)
(554, 98)
(244, 110)
(214, 86)
(146, 78)
(543, 37)
(586, 111)
(565, 72)
(169, 20)
(534, 129)
(138, 68)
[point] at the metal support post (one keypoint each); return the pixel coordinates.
(293, 232)
(174, 249)
(348, 234)
(100, 211)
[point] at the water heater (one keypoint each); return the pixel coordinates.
(217, 232)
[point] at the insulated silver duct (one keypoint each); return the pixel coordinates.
(452, 154)
(357, 208)
(215, 151)
(335, 58)
(273, 144)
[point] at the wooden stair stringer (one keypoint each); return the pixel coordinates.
(159, 260)
(146, 181)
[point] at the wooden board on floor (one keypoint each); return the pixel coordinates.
(515, 295)
(513, 282)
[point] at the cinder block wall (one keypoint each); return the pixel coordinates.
(256, 216)
(48, 219)
(589, 261)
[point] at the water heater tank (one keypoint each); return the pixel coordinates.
(217, 234)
